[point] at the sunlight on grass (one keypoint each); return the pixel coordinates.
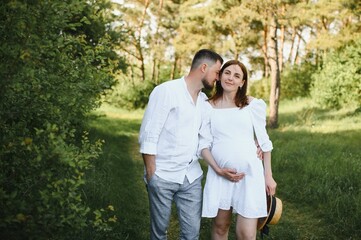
(303, 115)
(114, 112)
(315, 161)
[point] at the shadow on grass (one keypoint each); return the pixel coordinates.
(318, 177)
(117, 178)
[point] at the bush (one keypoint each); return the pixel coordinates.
(130, 95)
(134, 94)
(338, 83)
(296, 81)
(260, 88)
(56, 61)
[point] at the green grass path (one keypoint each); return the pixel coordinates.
(316, 163)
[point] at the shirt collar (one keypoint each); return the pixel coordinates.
(184, 83)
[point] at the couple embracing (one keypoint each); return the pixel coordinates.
(180, 125)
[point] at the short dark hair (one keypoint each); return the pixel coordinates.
(204, 55)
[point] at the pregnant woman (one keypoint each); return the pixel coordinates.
(237, 180)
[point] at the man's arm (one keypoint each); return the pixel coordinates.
(155, 116)
(259, 150)
(149, 163)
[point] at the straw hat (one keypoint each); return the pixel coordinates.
(274, 208)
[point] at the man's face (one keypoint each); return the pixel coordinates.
(211, 75)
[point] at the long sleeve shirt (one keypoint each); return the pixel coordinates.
(169, 131)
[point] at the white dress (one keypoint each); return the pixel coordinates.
(229, 133)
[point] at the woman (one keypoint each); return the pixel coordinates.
(237, 181)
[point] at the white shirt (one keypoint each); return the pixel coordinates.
(170, 129)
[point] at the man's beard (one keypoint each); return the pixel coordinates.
(206, 84)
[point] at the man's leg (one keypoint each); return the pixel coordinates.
(189, 204)
(160, 193)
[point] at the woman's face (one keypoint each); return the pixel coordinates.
(232, 78)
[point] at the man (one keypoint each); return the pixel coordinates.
(168, 143)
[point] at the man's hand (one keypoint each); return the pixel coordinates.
(259, 152)
(149, 163)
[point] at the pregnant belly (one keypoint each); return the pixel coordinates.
(235, 157)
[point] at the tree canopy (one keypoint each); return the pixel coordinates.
(269, 36)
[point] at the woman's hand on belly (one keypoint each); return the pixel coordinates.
(231, 174)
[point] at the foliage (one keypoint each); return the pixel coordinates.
(338, 83)
(56, 60)
(134, 94)
(296, 81)
(130, 95)
(260, 88)
(163, 33)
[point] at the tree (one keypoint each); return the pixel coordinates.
(258, 31)
(338, 83)
(275, 72)
(57, 59)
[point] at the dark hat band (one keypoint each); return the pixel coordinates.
(273, 209)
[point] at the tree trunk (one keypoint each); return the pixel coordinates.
(174, 68)
(297, 48)
(139, 47)
(156, 60)
(154, 69)
(141, 59)
(282, 43)
(275, 74)
(236, 55)
(282, 40)
(265, 53)
(132, 74)
(157, 75)
(293, 37)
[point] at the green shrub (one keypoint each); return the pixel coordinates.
(56, 61)
(130, 95)
(338, 83)
(134, 93)
(260, 88)
(296, 81)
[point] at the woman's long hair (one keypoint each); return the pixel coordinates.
(241, 98)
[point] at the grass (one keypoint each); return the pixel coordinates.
(316, 162)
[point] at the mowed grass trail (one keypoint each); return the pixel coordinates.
(316, 162)
(117, 177)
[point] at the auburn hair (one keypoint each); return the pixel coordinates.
(241, 96)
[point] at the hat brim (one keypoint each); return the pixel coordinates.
(274, 212)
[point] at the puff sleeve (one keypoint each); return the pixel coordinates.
(258, 115)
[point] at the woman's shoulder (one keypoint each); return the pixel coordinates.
(256, 102)
(250, 99)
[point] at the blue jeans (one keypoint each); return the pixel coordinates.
(188, 200)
